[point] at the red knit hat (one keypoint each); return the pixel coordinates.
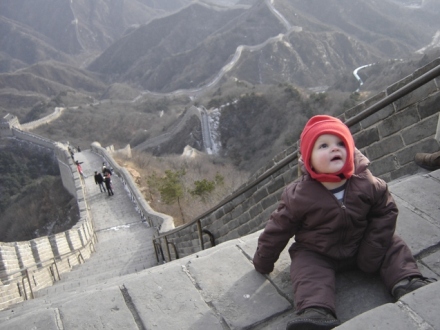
(323, 124)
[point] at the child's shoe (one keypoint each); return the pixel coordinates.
(314, 318)
(410, 284)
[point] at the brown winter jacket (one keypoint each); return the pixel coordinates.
(362, 225)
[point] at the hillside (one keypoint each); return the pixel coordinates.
(343, 36)
(79, 29)
(33, 201)
(268, 58)
(144, 48)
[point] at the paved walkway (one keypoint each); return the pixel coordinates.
(124, 241)
(219, 289)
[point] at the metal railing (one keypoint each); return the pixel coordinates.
(403, 91)
(22, 277)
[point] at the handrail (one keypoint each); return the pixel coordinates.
(61, 256)
(406, 89)
(156, 245)
(211, 236)
(176, 253)
(26, 276)
(79, 256)
(24, 272)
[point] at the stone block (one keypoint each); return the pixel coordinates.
(383, 165)
(418, 233)
(244, 303)
(384, 147)
(270, 202)
(406, 155)
(238, 200)
(226, 218)
(248, 193)
(417, 303)
(232, 235)
(275, 185)
(259, 195)
(357, 109)
(385, 317)
(399, 84)
(377, 117)
(366, 137)
(291, 174)
(228, 207)
(407, 169)
(99, 310)
(433, 262)
(233, 224)
(40, 318)
(415, 96)
(420, 131)
(236, 212)
(429, 106)
(423, 200)
(255, 210)
(263, 183)
(219, 213)
(398, 121)
(244, 218)
(168, 284)
(243, 230)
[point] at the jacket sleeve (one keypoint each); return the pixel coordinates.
(279, 229)
(380, 229)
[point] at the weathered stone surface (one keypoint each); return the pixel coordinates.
(398, 121)
(236, 290)
(170, 300)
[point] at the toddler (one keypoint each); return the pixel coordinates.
(341, 216)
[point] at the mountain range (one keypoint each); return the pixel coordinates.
(88, 54)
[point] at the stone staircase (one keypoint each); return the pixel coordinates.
(218, 288)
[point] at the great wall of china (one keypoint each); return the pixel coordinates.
(389, 128)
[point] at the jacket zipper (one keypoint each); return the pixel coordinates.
(344, 216)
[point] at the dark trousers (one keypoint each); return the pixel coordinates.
(313, 275)
(108, 185)
(101, 186)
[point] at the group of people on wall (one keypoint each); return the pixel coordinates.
(102, 179)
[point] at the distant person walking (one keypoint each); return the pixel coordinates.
(108, 184)
(99, 180)
(79, 149)
(80, 171)
(106, 170)
(71, 153)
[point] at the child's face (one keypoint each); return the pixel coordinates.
(328, 154)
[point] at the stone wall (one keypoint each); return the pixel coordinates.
(28, 266)
(45, 120)
(389, 138)
(162, 222)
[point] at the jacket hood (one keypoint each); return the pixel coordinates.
(361, 163)
(324, 124)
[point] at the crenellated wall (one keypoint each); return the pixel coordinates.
(28, 266)
(389, 138)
